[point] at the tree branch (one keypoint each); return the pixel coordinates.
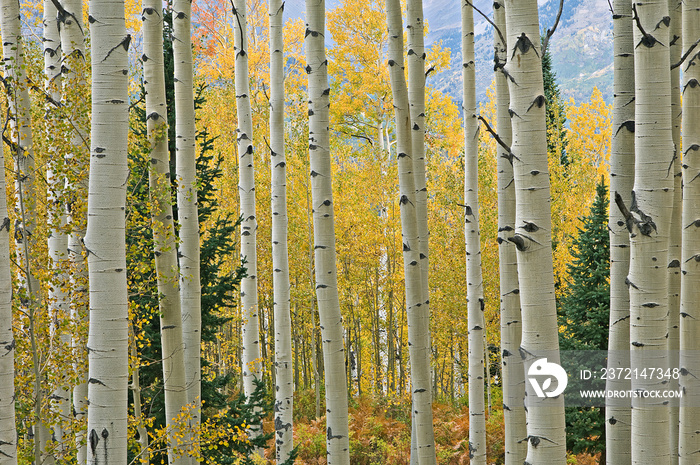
(686, 55)
(500, 34)
(550, 32)
(496, 137)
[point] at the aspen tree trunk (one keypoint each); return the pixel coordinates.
(59, 311)
(108, 337)
(415, 58)
(618, 415)
(532, 235)
(188, 253)
(143, 455)
(284, 392)
(674, 250)
(73, 68)
(8, 431)
(252, 363)
(689, 412)
(649, 220)
(23, 153)
(475, 285)
(165, 247)
(419, 341)
(338, 440)
(511, 323)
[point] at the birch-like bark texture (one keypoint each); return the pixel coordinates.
(419, 344)
(58, 303)
(532, 235)
(284, 391)
(689, 413)
(511, 324)
(8, 431)
(337, 435)
(674, 249)
(73, 78)
(164, 243)
(649, 223)
(252, 363)
(22, 149)
(105, 238)
(190, 290)
(475, 284)
(618, 415)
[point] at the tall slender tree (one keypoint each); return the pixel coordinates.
(164, 243)
(337, 437)
(511, 323)
(617, 414)
(21, 144)
(105, 238)
(532, 235)
(8, 431)
(475, 285)
(689, 412)
(284, 391)
(424, 450)
(648, 218)
(188, 218)
(73, 66)
(252, 367)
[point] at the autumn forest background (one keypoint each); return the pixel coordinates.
(368, 234)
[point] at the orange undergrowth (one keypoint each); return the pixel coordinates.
(380, 433)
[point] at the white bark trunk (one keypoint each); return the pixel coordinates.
(8, 431)
(58, 303)
(252, 366)
(532, 235)
(73, 68)
(475, 285)
(618, 415)
(105, 242)
(284, 392)
(649, 224)
(423, 443)
(190, 290)
(164, 240)
(689, 413)
(337, 437)
(23, 154)
(674, 249)
(511, 322)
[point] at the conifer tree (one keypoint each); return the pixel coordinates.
(585, 312)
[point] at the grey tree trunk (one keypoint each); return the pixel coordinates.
(252, 367)
(73, 68)
(649, 223)
(475, 285)
(337, 437)
(284, 392)
(532, 235)
(105, 238)
(422, 436)
(689, 412)
(164, 239)
(8, 431)
(190, 289)
(17, 87)
(511, 322)
(618, 415)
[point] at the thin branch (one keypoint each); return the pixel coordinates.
(500, 34)
(686, 55)
(496, 137)
(550, 32)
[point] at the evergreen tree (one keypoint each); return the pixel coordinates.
(218, 288)
(556, 112)
(584, 314)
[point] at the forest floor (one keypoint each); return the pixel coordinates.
(380, 432)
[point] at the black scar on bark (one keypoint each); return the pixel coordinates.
(94, 439)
